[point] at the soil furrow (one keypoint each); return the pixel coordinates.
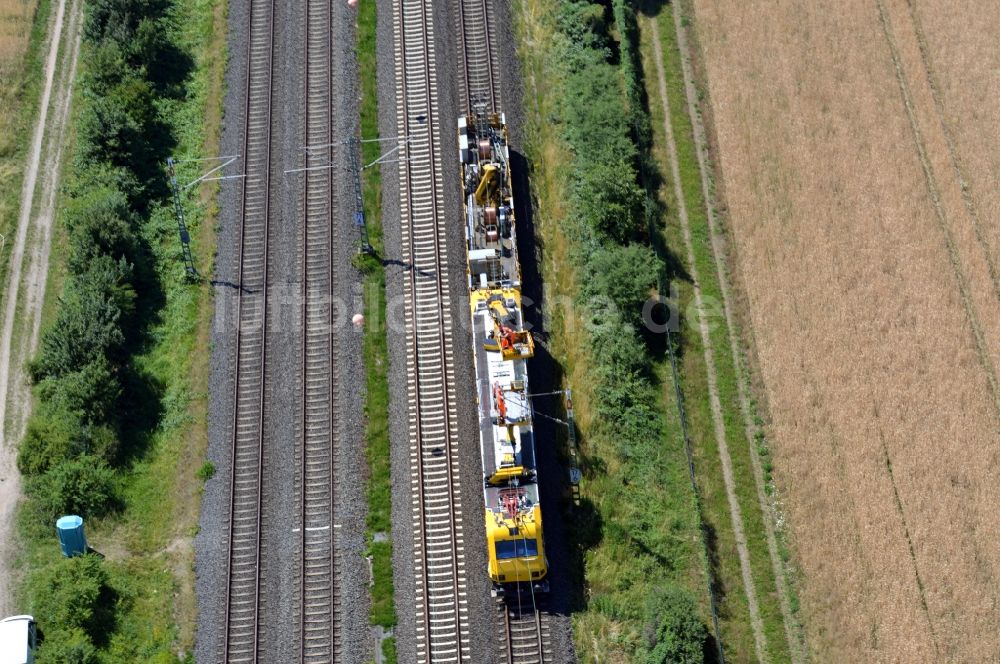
(964, 182)
(968, 261)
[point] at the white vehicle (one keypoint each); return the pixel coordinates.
(17, 640)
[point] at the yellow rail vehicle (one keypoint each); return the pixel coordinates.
(502, 347)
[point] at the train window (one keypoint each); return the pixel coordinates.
(516, 549)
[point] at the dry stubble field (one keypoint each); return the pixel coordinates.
(844, 134)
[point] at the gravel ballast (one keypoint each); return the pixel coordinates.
(280, 568)
(281, 550)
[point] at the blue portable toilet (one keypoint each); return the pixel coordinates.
(71, 538)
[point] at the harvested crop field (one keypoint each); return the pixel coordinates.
(859, 151)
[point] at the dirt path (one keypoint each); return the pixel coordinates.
(792, 632)
(736, 515)
(34, 232)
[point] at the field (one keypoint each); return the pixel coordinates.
(857, 152)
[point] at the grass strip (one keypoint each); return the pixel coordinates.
(383, 612)
(20, 88)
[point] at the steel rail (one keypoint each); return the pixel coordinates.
(443, 623)
(318, 613)
(526, 640)
(241, 641)
(476, 30)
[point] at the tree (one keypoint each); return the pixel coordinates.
(52, 434)
(119, 20)
(610, 201)
(121, 128)
(89, 393)
(106, 68)
(626, 274)
(89, 324)
(100, 224)
(674, 632)
(104, 176)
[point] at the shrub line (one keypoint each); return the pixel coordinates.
(113, 411)
(632, 455)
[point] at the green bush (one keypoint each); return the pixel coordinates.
(96, 176)
(52, 434)
(67, 595)
(106, 68)
(674, 632)
(207, 471)
(84, 486)
(610, 200)
(119, 20)
(73, 646)
(89, 393)
(100, 223)
(118, 127)
(55, 434)
(88, 327)
(625, 274)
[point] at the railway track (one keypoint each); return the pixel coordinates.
(241, 642)
(525, 633)
(481, 83)
(318, 598)
(442, 617)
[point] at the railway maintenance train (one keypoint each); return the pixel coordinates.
(502, 347)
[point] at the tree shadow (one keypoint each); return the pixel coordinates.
(140, 411)
(103, 620)
(711, 647)
(168, 66)
(651, 8)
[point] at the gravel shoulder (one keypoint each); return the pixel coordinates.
(211, 541)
